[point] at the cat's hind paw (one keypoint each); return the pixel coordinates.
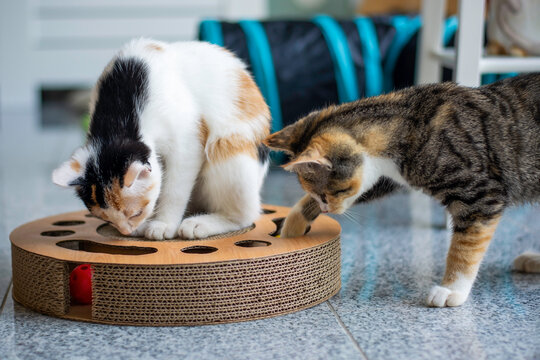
(440, 296)
(159, 230)
(528, 262)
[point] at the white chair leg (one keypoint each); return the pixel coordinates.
(470, 40)
(429, 67)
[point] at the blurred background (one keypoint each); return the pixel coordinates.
(52, 51)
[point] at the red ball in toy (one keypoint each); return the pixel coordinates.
(80, 284)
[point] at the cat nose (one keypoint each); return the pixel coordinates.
(124, 230)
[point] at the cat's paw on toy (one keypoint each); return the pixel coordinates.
(194, 228)
(140, 231)
(440, 296)
(294, 225)
(203, 226)
(159, 230)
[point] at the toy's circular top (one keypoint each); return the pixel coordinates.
(79, 237)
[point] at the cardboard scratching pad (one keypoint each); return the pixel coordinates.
(245, 275)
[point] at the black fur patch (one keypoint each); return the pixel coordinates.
(381, 188)
(114, 129)
(120, 91)
(262, 152)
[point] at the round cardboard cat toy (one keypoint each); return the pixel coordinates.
(245, 275)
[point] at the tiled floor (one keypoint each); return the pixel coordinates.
(392, 254)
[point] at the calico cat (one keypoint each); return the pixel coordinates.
(172, 124)
(476, 150)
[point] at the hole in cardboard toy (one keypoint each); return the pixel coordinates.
(57, 233)
(252, 243)
(199, 249)
(89, 215)
(268, 211)
(279, 225)
(94, 247)
(69, 223)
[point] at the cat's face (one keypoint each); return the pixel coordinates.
(126, 207)
(329, 166)
(124, 199)
(334, 193)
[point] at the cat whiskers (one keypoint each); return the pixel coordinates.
(351, 217)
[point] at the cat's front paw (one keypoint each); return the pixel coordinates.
(295, 225)
(140, 231)
(196, 227)
(440, 296)
(203, 226)
(159, 230)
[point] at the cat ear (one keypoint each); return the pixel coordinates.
(137, 170)
(285, 139)
(309, 159)
(281, 140)
(70, 172)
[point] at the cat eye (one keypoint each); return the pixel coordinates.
(137, 214)
(342, 191)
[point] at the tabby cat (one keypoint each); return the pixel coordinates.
(476, 150)
(174, 126)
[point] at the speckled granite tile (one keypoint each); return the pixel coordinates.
(393, 257)
(5, 271)
(309, 334)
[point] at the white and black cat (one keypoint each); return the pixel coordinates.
(173, 125)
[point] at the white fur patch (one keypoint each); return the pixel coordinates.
(372, 170)
(454, 294)
(66, 173)
(187, 82)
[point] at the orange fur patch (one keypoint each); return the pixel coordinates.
(250, 101)
(376, 139)
(113, 195)
(154, 47)
(93, 195)
(75, 165)
(203, 132)
(130, 176)
(467, 250)
(226, 147)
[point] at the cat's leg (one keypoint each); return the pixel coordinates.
(301, 216)
(180, 173)
(528, 262)
(468, 246)
(230, 192)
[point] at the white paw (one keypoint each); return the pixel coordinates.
(528, 262)
(196, 227)
(159, 230)
(139, 232)
(203, 226)
(440, 296)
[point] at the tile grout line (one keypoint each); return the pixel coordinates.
(5, 296)
(351, 337)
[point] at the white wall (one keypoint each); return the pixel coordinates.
(65, 43)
